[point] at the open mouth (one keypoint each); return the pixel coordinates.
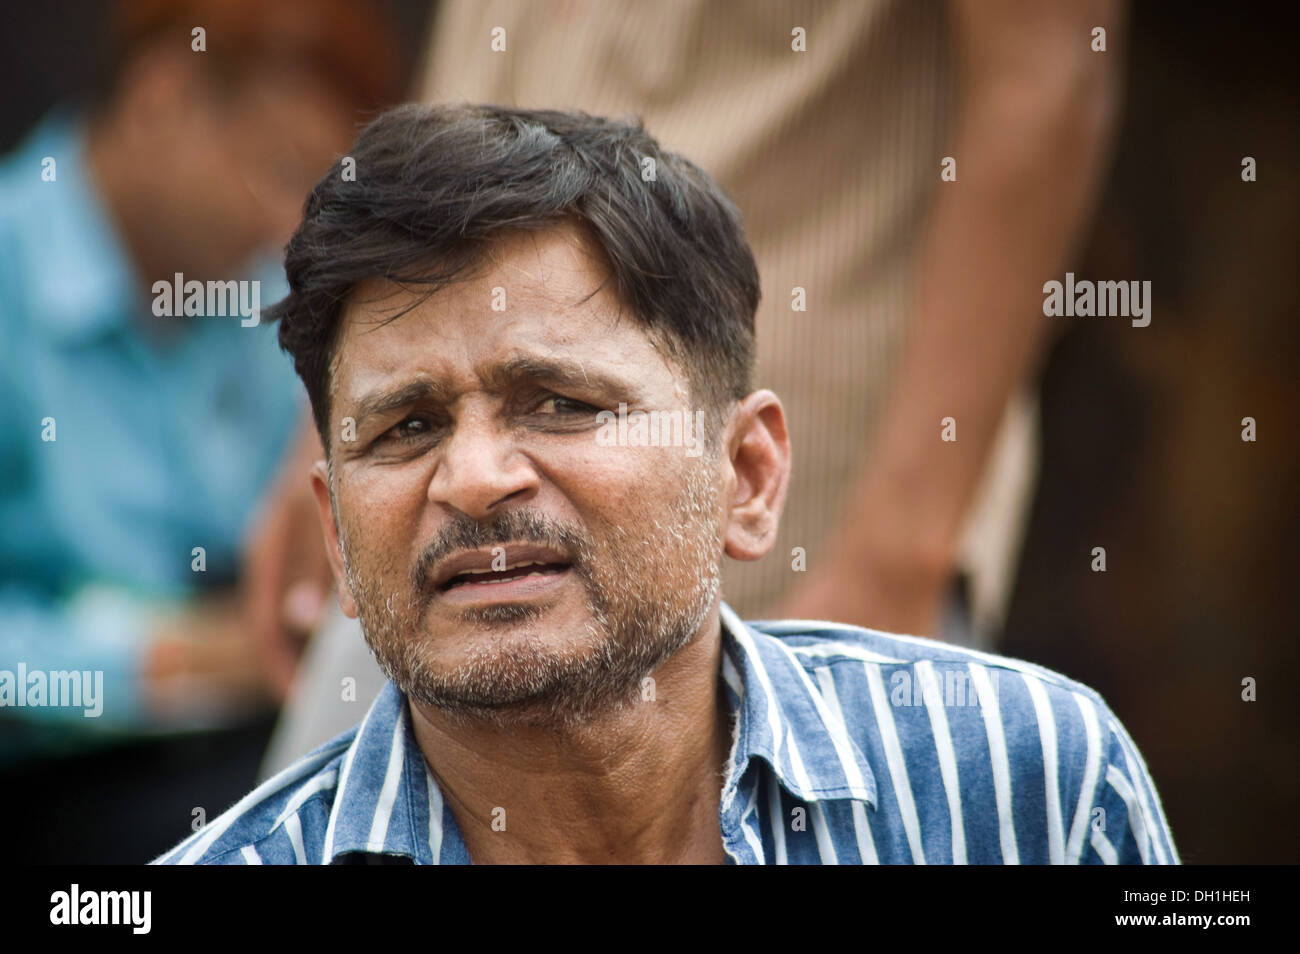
(473, 578)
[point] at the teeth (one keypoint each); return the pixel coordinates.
(510, 566)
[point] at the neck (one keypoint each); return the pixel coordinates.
(639, 785)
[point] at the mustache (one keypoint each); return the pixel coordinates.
(516, 526)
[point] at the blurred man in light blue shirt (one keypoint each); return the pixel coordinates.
(140, 430)
(134, 447)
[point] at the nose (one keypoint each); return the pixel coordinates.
(480, 469)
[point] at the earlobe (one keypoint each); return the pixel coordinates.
(346, 602)
(759, 455)
(329, 528)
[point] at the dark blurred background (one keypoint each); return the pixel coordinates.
(1142, 451)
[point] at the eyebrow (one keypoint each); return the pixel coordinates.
(384, 400)
(560, 372)
(557, 371)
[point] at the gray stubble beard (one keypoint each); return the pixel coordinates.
(635, 625)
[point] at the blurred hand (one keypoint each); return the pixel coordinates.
(286, 576)
(893, 598)
(204, 664)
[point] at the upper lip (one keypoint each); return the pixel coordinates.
(515, 555)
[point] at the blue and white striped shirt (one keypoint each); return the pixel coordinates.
(851, 746)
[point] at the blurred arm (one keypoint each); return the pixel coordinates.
(1036, 110)
(99, 632)
(286, 576)
(144, 665)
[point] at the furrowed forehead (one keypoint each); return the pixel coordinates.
(375, 302)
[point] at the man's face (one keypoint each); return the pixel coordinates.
(231, 161)
(504, 563)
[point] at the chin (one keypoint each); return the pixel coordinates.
(486, 630)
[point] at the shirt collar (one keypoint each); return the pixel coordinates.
(386, 793)
(81, 279)
(788, 721)
(375, 809)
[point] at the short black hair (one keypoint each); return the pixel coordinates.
(435, 185)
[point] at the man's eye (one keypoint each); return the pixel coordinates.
(409, 429)
(555, 404)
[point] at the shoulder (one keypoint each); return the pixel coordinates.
(964, 736)
(36, 178)
(918, 687)
(818, 644)
(29, 172)
(279, 822)
(18, 211)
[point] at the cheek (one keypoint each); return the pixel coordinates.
(382, 509)
(608, 486)
(636, 500)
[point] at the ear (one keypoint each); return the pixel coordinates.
(329, 527)
(758, 452)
